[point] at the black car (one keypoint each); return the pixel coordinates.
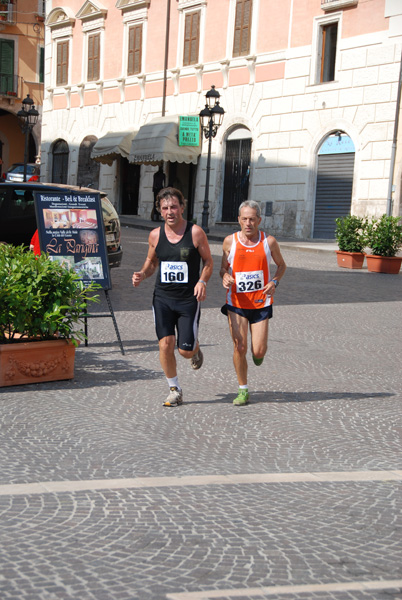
(18, 220)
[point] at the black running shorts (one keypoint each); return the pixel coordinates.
(181, 316)
(253, 315)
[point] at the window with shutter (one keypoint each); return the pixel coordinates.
(134, 50)
(62, 63)
(93, 57)
(41, 65)
(328, 52)
(191, 38)
(6, 66)
(242, 31)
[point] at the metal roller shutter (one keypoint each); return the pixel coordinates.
(334, 192)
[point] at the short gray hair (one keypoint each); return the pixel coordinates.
(251, 204)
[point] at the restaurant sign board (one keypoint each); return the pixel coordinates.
(189, 131)
(71, 232)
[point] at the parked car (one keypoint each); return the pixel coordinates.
(16, 172)
(18, 220)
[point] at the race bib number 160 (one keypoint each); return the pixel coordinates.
(249, 281)
(174, 272)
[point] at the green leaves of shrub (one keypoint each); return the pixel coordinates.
(351, 233)
(40, 299)
(385, 236)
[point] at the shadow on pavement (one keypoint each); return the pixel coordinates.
(259, 397)
(130, 346)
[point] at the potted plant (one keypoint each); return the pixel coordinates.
(384, 238)
(42, 305)
(351, 236)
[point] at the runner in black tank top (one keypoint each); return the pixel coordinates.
(179, 266)
(176, 250)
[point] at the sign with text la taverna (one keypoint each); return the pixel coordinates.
(71, 232)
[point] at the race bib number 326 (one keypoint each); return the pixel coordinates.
(174, 272)
(249, 281)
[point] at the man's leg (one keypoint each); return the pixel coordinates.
(238, 326)
(168, 362)
(187, 331)
(167, 357)
(259, 340)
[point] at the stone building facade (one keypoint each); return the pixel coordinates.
(309, 89)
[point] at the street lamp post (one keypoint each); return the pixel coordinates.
(211, 118)
(28, 116)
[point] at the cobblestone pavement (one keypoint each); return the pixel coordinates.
(106, 495)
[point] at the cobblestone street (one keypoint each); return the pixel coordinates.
(107, 495)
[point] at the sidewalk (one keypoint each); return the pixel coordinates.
(217, 234)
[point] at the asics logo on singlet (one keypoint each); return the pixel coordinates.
(175, 267)
(249, 250)
(255, 276)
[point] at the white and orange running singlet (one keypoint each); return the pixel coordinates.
(249, 266)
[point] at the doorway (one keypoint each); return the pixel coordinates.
(335, 170)
(129, 186)
(237, 173)
(182, 177)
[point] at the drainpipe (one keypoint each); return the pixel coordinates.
(166, 57)
(394, 141)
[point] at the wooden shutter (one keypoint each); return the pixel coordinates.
(191, 38)
(328, 52)
(134, 50)
(41, 65)
(93, 57)
(7, 66)
(241, 43)
(62, 63)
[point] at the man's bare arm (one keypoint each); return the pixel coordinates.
(200, 241)
(280, 263)
(227, 279)
(151, 261)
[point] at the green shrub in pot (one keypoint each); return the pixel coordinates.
(384, 236)
(40, 299)
(351, 233)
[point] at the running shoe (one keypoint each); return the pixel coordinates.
(197, 360)
(258, 361)
(242, 398)
(175, 397)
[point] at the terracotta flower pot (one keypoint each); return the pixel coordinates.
(384, 264)
(350, 260)
(34, 362)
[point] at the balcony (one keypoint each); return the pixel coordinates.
(328, 5)
(7, 13)
(8, 86)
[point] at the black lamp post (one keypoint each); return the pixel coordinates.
(211, 118)
(28, 116)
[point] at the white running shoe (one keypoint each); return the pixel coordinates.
(175, 397)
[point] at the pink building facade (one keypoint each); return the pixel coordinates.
(309, 89)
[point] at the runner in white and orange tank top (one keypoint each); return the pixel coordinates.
(245, 273)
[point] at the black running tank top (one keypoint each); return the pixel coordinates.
(179, 265)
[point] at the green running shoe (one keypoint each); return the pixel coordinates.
(258, 361)
(241, 398)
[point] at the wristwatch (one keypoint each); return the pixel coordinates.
(276, 282)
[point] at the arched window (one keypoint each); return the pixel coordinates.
(88, 169)
(60, 154)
